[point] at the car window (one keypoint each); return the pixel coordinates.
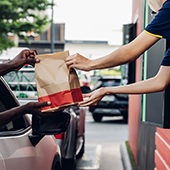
(9, 126)
(98, 84)
(7, 101)
(23, 80)
(110, 83)
(107, 83)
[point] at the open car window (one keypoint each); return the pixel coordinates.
(8, 101)
(9, 126)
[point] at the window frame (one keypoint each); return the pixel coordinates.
(22, 121)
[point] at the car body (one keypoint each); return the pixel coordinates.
(110, 105)
(71, 142)
(16, 148)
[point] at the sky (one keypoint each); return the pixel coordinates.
(99, 20)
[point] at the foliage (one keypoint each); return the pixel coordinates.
(110, 72)
(19, 17)
(130, 156)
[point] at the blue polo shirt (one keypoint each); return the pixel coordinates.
(160, 27)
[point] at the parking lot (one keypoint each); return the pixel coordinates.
(102, 149)
(91, 158)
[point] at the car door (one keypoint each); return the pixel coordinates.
(16, 150)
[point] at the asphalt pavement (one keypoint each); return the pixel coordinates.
(103, 140)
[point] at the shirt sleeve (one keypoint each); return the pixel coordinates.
(160, 25)
(166, 59)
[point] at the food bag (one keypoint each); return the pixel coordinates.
(56, 83)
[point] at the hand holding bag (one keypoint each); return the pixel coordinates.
(56, 83)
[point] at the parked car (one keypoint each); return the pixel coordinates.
(21, 147)
(71, 142)
(110, 105)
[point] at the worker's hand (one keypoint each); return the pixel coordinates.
(78, 61)
(94, 97)
(24, 57)
(34, 108)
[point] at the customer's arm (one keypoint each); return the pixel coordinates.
(24, 57)
(124, 54)
(29, 108)
(155, 84)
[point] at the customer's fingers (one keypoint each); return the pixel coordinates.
(42, 104)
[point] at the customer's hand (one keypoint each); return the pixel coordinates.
(34, 108)
(24, 57)
(94, 97)
(78, 61)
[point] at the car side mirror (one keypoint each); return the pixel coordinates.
(51, 125)
(48, 125)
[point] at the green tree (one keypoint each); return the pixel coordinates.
(19, 17)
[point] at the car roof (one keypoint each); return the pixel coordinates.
(110, 78)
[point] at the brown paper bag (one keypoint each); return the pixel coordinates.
(56, 83)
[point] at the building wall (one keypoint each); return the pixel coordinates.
(134, 100)
(162, 152)
(42, 42)
(162, 136)
(141, 136)
(150, 146)
(90, 50)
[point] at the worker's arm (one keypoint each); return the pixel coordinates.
(156, 84)
(124, 54)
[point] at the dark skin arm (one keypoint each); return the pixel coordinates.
(33, 108)
(24, 57)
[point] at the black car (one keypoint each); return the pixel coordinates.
(110, 105)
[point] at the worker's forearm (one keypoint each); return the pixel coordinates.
(126, 53)
(147, 86)
(120, 56)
